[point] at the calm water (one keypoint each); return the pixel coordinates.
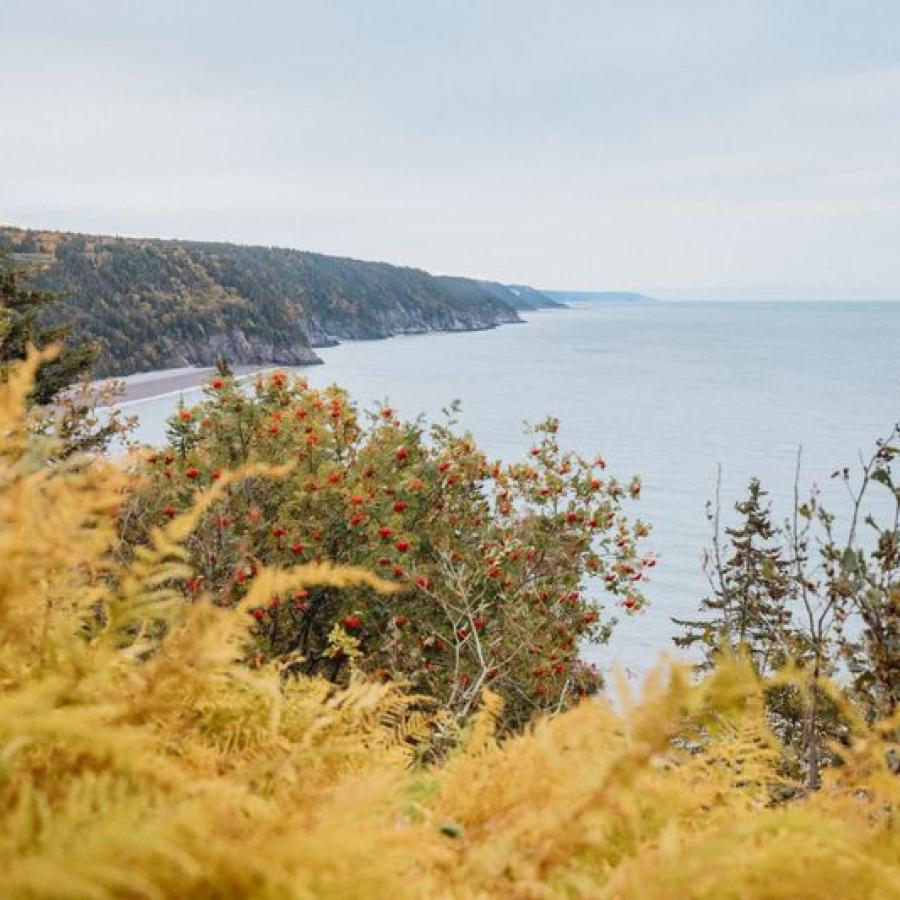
(666, 391)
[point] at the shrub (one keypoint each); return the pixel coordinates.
(491, 560)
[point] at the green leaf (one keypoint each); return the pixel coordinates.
(849, 562)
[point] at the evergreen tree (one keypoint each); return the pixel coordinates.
(751, 586)
(757, 577)
(20, 327)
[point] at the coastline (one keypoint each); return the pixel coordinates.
(144, 386)
(141, 387)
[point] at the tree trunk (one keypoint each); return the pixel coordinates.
(813, 763)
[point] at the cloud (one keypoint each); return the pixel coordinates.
(662, 147)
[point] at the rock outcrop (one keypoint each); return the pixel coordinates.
(239, 349)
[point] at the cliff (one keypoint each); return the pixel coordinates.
(155, 304)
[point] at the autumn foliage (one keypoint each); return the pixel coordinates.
(142, 757)
(498, 569)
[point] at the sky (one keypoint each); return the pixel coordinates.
(707, 149)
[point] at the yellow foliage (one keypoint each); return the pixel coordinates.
(140, 759)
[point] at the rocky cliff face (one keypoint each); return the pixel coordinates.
(153, 304)
(238, 348)
(399, 319)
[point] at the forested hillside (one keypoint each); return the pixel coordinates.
(155, 304)
(518, 296)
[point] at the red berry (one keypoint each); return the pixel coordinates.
(422, 581)
(385, 531)
(400, 620)
(352, 623)
(257, 613)
(192, 473)
(401, 454)
(297, 549)
(170, 511)
(402, 546)
(399, 506)
(218, 384)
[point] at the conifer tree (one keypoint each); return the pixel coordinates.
(20, 327)
(751, 587)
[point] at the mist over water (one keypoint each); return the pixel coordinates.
(665, 391)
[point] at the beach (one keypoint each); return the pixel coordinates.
(167, 382)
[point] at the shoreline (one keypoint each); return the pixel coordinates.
(145, 386)
(141, 387)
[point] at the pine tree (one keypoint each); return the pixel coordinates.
(21, 307)
(757, 576)
(751, 587)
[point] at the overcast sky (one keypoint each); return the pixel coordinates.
(710, 149)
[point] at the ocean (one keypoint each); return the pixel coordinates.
(669, 391)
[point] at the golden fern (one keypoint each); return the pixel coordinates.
(140, 759)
